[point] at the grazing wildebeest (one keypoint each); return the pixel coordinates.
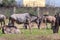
(2, 19)
(24, 18)
(49, 19)
(36, 20)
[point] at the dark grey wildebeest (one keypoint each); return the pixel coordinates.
(36, 20)
(2, 19)
(24, 19)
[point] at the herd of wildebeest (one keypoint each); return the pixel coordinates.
(27, 19)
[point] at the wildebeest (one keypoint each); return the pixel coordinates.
(2, 19)
(36, 20)
(49, 19)
(7, 29)
(57, 23)
(24, 18)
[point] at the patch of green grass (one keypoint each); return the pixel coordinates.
(35, 31)
(26, 35)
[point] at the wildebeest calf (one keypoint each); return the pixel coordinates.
(10, 30)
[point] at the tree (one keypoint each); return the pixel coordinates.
(8, 2)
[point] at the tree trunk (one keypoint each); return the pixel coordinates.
(14, 9)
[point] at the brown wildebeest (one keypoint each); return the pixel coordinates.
(54, 20)
(2, 19)
(49, 19)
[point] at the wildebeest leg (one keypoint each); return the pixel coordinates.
(1, 25)
(52, 24)
(38, 24)
(25, 25)
(10, 19)
(29, 24)
(46, 23)
(4, 22)
(55, 29)
(3, 30)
